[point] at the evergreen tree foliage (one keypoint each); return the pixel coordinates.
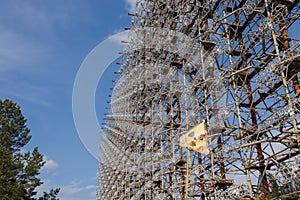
(19, 170)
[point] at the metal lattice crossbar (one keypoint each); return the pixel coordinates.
(229, 63)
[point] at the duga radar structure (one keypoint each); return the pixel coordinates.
(206, 104)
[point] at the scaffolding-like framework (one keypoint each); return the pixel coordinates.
(229, 63)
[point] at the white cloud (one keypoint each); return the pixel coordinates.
(73, 191)
(77, 191)
(12, 87)
(29, 31)
(17, 51)
(45, 187)
(46, 18)
(50, 165)
(130, 4)
(119, 37)
(88, 187)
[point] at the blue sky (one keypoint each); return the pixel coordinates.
(42, 45)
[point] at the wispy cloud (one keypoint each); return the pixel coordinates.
(77, 191)
(29, 31)
(43, 17)
(130, 5)
(119, 37)
(19, 52)
(27, 39)
(45, 187)
(12, 87)
(73, 191)
(50, 165)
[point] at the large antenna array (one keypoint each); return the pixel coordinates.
(229, 63)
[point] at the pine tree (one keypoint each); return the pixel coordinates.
(19, 170)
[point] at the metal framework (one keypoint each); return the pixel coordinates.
(230, 63)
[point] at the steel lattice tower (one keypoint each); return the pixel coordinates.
(229, 63)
